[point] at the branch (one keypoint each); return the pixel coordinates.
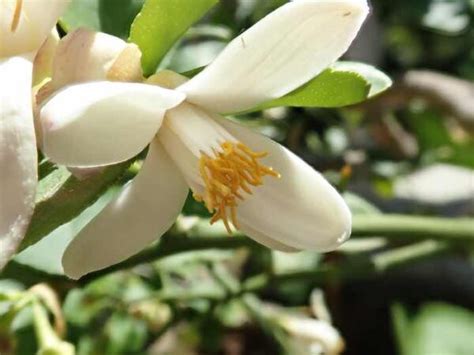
(411, 228)
(397, 227)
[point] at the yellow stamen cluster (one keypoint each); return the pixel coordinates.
(232, 171)
(16, 15)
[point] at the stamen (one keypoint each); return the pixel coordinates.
(16, 15)
(233, 171)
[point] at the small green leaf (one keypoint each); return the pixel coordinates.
(345, 83)
(110, 16)
(64, 197)
(161, 23)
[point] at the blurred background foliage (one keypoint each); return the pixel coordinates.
(409, 150)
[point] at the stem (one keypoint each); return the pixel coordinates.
(413, 227)
(44, 332)
(393, 226)
(48, 341)
(419, 251)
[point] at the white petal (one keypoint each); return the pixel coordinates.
(17, 154)
(27, 31)
(277, 55)
(265, 240)
(84, 55)
(103, 122)
(301, 209)
(43, 64)
(145, 209)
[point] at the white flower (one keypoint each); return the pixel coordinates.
(245, 179)
(24, 25)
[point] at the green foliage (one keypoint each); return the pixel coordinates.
(161, 23)
(437, 328)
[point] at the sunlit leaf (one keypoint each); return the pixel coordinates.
(345, 83)
(378, 80)
(161, 23)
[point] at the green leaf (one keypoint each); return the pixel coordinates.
(109, 16)
(161, 23)
(61, 198)
(437, 328)
(378, 80)
(345, 83)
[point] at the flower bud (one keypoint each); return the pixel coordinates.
(84, 55)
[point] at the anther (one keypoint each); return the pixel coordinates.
(233, 170)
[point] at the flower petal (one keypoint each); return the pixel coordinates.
(265, 240)
(281, 52)
(301, 209)
(43, 63)
(18, 155)
(24, 25)
(84, 55)
(102, 123)
(143, 211)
